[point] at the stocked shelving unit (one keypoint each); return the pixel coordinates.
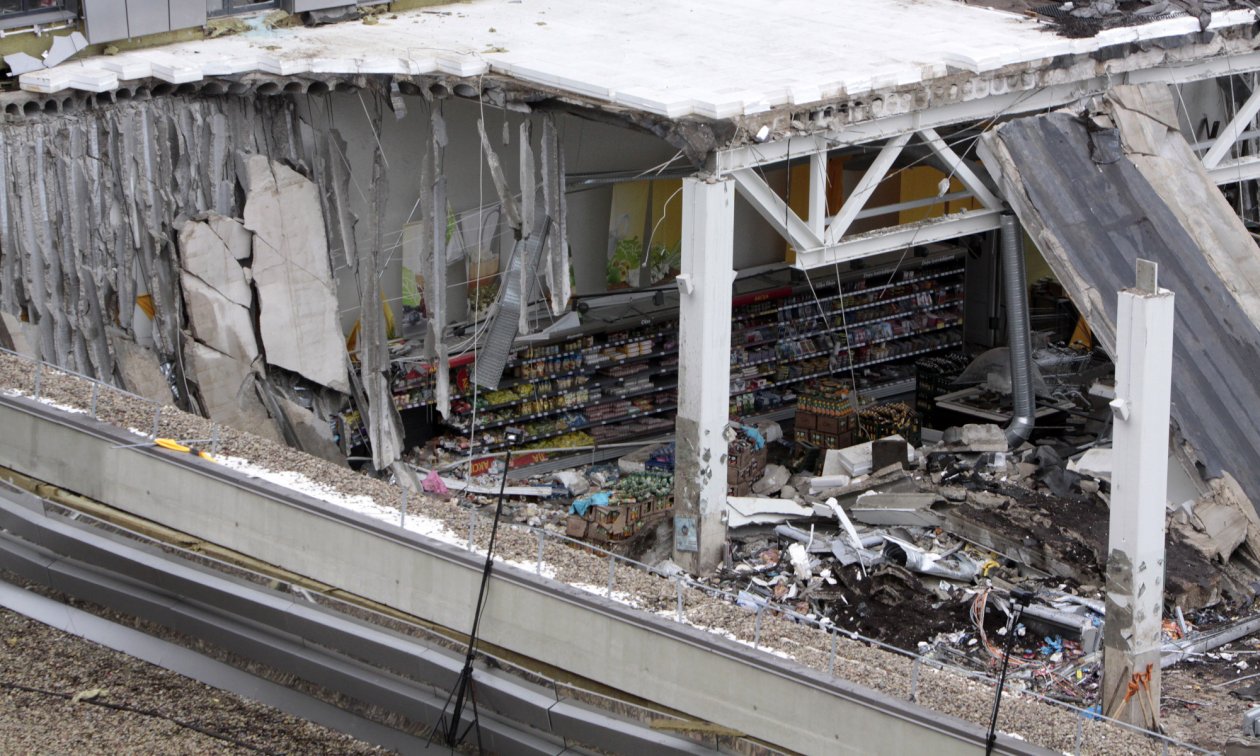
(621, 383)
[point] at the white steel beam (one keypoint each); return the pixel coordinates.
(1234, 171)
(958, 167)
(817, 193)
(776, 212)
(866, 185)
(704, 373)
(1228, 136)
(875, 212)
(899, 237)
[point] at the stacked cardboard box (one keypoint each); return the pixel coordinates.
(745, 464)
(892, 419)
(824, 414)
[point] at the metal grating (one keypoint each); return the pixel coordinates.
(501, 333)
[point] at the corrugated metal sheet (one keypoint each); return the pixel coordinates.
(1092, 212)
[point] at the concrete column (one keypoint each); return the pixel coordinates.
(704, 372)
(1139, 482)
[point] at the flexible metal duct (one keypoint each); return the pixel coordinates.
(1017, 332)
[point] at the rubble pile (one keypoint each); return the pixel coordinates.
(922, 549)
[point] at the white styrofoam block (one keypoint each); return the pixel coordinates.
(45, 81)
(127, 67)
(92, 80)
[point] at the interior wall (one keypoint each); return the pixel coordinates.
(589, 147)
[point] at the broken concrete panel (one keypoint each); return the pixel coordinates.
(218, 322)
(1093, 218)
(754, 510)
(1223, 519)
(212, 250)
(140, 369)
(875, 508)
(1096, 463)
(226, 386)
(297, 301)
(313, 435)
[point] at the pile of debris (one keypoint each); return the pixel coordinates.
(921, 548)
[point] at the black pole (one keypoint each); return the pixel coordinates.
(1019, 599)
(463, 687)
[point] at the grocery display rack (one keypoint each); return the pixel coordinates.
(793, 334)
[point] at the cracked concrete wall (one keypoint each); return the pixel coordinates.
(89, 207)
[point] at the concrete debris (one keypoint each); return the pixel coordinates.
(297, 303)
(138, 369)
(875, 508)
(313, 436)
(857, 460)
(754, 510)
(225, 386)
(774, 479)
(1096, 463)
(1222, 521)
(17, 336)
(975, 438)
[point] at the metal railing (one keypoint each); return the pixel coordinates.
(687, 590)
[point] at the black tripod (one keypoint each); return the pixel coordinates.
(464, 688)
(1019, 599)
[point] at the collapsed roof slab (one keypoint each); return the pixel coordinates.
(1095, 199)
(706, 60)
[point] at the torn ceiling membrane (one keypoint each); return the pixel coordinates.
(1096, 195)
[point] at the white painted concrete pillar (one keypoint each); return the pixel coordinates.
(704, 372)
(1139, 482)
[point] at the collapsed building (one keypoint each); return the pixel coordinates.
(724, 302)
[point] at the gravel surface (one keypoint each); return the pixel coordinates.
(947, 692)
(35, 657)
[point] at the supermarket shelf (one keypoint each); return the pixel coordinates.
(601, 382)
(588, 369)
(845, 368)
(576, 428)
(849, 326)
(577, 407)
(584, 458)
(885, 390)
(874, 393)
(824, 353)
(868, 290)
(594, 348)
(851, 292)
(956, 323)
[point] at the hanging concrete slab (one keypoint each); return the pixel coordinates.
(1094, 198)
(213, 250)
(217, 321)
(297, 300)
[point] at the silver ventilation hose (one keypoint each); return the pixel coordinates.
(1017, 332)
